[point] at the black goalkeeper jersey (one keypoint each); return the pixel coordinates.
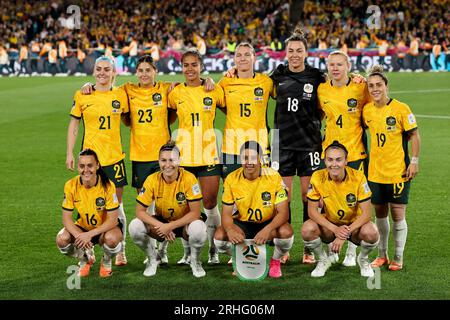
(297, 114)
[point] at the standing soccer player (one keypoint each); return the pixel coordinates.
(391, 125)
(101, 114)
(298, 120)
(342, 102)
(196, 138)
(246, 100)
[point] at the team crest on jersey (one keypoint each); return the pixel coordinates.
(116, 104)
(352, 104)
(351, 200)
(181, 198)
(391, 123)
(207, 103)
(266, 196)
(308, 88)
(157, 99)
(100, 203)
(259, 92)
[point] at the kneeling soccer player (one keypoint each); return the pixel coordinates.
(177, 198)
(260, 198)
(345, 195)
(93, 196)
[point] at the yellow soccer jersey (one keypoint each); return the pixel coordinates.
(196, 110)
(255, 200)
(91, 204)
(149, 120)
(100, 113)
(246, 101)
(388, 126)
(171, 200)
(340, 199)
(343, 110)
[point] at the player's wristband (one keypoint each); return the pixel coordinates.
(415, 160)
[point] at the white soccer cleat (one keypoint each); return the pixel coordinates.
(185, 260)
(333, 257)
(321, 268)
(151, 267)
(162, 257)
(213, 258)
(197, 269)
(350, 260)
(366, 269)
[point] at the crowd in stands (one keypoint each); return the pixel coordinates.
(46, 30)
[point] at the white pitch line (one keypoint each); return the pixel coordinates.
(431, 116)
(422, 91)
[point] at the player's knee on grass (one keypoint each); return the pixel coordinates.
(310, 230)
(197, 233)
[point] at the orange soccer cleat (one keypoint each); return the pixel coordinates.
(308, 258)
(379, 261)
(105, 270)
(395, 266)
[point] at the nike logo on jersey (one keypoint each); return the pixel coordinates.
(180, 102)
(315, 168)
(231, 91)
(237, 199)
(131, 98)
(76, 200)
(119, 180)
(369, 121)
(88, 105)
(325, 197)
(326, 102)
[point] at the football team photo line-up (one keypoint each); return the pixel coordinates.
(175, 179)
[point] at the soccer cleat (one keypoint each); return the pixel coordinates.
(364, 265)
(275, 268)
(213, 258)
(85, 268)
(197, 269)
(321, 268)
(121, 259)
(230, 262)
(333, 257)
(285, 258)
(105, 269)
(349, 260)
(395, 266)
(185, 260)
(379, 261)
(161, 257)
(150, 268)
(308, 258)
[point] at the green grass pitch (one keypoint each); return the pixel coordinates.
(33, 126)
